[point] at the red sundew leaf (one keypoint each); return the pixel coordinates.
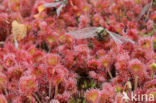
(15, 72)
(93, 95)
(136, 67)
(150, 84)
(3, 99)
(9, 60)
(28, 84)
(54, 101)
(145, 43)
(52, 59)
(58, 79)
(92, 64)
(152, 92)
(118, 99)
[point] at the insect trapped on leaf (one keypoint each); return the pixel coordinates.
(100, 32)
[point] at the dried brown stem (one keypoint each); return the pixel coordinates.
(136, 82)
(110, 74)
(37, 98)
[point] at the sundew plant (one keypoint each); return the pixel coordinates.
(77, 51)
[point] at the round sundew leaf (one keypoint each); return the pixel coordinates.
(92, 96)
(151, 93)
